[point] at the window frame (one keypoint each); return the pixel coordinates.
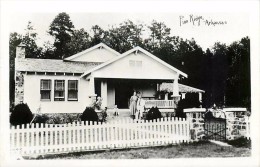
(76, 89)
(60, 98)
(45, 90)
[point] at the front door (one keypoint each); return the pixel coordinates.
(123, 92)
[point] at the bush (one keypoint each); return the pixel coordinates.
(21, 115)
(89, 115)
(240, 142)
(153, 113)
(185, 103)
(42, 118)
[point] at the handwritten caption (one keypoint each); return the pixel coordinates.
(199, 21)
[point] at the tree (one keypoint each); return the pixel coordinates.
(159, 32)
(124, 37)
(238, 81)
(219, 73)
(98, 35)
(80, 41)
(62, 29)
(48, 51)
(29, 40)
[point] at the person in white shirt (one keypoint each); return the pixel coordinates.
(140, 107)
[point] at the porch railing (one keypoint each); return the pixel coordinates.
(160, 103)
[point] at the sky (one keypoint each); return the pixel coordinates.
(190, 25)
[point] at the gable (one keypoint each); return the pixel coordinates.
(98, 53)
(143, 54)
(136, 66)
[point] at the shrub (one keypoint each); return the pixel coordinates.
(185, 103)
(21, 115)
(153, 113)
(41, 118)
(240, 142)
(89, 115)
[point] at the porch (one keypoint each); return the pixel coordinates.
(116, 93)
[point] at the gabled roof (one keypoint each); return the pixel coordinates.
(127, 53)
(90, 49)
(182, 88)
(52, 65)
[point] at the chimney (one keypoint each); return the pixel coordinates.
(20, 51)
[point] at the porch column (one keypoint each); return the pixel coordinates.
(104, 93)
(91, 88)
(166, 96)
(183, 95)
(175, 95)
(200, 96)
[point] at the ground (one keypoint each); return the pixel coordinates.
(193, 150)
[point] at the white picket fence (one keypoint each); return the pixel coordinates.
(86, 136)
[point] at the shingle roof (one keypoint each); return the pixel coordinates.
(182, 88)
(52, 65)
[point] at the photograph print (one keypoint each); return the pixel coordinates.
(129, 85)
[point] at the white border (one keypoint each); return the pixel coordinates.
(251, 7)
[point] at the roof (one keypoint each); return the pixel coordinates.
(127, 53)
(92, 48)
(52, 65)
(182, 88)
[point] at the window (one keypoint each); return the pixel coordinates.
(135, 63)
(138, 63)
(72, 90)
(45, 89)
(131, 63)
(59, 90)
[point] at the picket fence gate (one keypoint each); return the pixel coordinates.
(87, 136)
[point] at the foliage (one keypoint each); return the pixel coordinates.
(21, 115)
(61, 29)
(103, 116)
(41, 118)
(240, 142)
(153, 113)
(29, 40)
(80, 40)
(186, 103)
(89, 114)
(57, 118)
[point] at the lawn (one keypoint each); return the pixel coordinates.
(194, 150)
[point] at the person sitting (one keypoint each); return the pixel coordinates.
(116, 111)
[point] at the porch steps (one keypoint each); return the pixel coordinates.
(121, 112)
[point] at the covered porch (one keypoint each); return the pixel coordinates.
(116, 92)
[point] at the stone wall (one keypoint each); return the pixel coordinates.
(236, 125)
(19, 87)
(195, 117)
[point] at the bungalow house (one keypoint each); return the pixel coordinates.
(71, 84)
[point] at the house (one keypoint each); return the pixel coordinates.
(71, 84)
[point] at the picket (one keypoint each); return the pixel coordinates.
(82, 136)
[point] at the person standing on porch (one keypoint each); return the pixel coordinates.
(133, 104)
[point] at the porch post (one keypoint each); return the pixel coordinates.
(183, 95)
(104, 93)
(166, 96)
(200, 96)
(175, 95)
(92, 87)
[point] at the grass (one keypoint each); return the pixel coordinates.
(193, 150)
